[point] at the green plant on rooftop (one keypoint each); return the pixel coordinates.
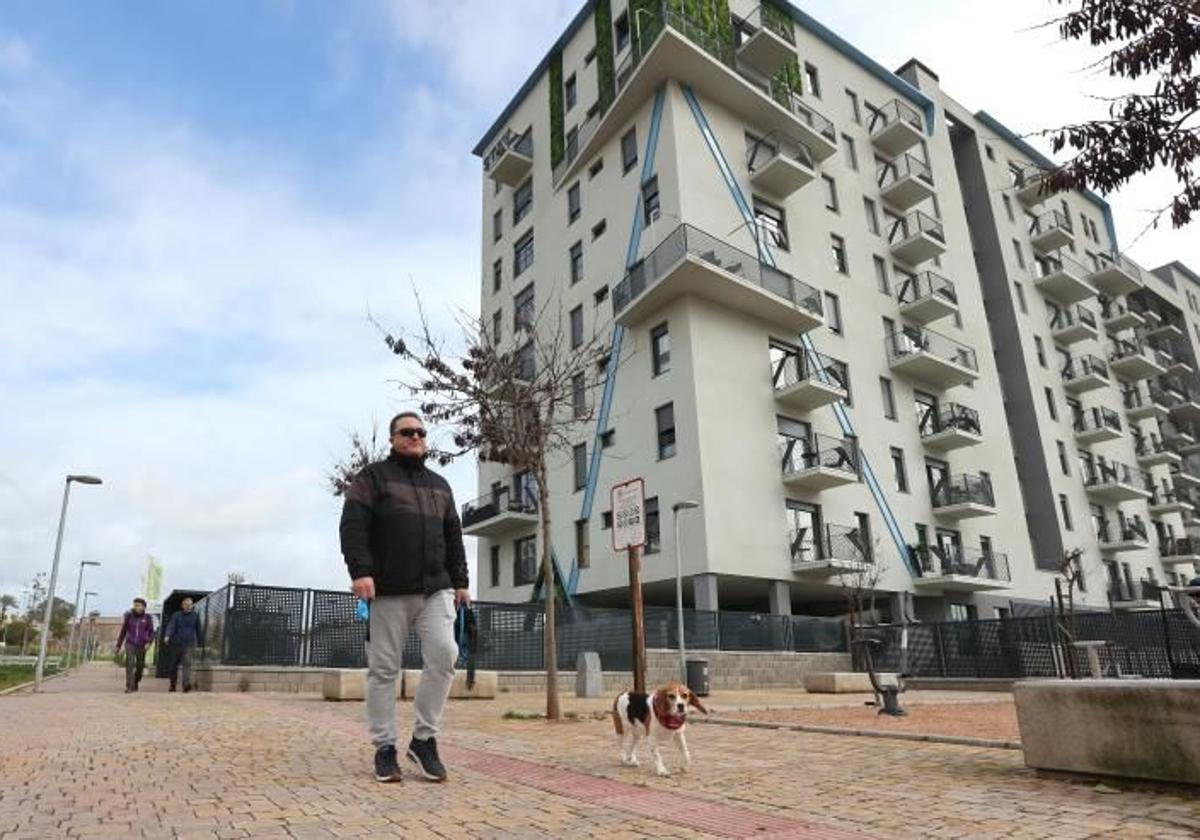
(558, 145)
(774, 17)
(607, 85)
(787, 82)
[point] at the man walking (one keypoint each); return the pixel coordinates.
(182, 634)
(137, 634)
(402, 542)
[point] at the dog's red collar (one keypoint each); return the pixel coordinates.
(665, 717)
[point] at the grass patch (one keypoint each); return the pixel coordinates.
(11, 675)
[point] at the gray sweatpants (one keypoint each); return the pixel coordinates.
(391, 618)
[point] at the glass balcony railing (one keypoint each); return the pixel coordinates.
(950, 416)
(1145, 446)
(906, 165)
(799, 454)
(1131, 591)
(894, 112)
(1048, 265)
(1080, 366)
(1123, 263)
(1172, 546)
(1071, 316)
(914, 223)
(687, 241)
(1110, 308)
(799, 107)
(498, 501)
(520, 143)
(1123, 348)
(1168, 495)
(1131, 530)
(926, 284)
(1097, 418)
(962, 489)
(912, 341)
(809, 366)
(776, 144)
(828, 542)
(1146, 395)
(937, 561)
(769, 17)
(1049, 221)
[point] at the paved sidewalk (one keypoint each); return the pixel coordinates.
(85, 760)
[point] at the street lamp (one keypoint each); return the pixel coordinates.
(78, 612)
(675, 508)
(84, 612)
(48, 612)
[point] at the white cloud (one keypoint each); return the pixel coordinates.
(16, 56)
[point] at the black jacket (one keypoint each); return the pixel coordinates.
(400, 527)
(183, 629)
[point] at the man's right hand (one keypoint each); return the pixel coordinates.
(364, 587)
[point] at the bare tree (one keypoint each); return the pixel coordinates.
(859, 583)
(1161, 40)
(363, 450)
(524, 403)
(1070, 573)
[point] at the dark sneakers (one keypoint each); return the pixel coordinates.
(425, 756)
(387, 769)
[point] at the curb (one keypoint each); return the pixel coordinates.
(956, 740)
(13, 689)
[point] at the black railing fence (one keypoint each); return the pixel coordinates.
(267, 625)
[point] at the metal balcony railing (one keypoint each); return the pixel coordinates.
(1123, 348)
(685, 241)
(1110, 308)
(911, 340)
(496, 502)
(800, 108)
(1113, 472)
(962, 489)
(904, 165)
(914, 223)
(935, 561)
(1096, 418)
(522, 143)
(950, 416)
(1151, 445)
(1060, 262)
(1145, 396)
(1071, 316)
(894, 111)
(799, 454)
(828, 542)
(808, 365)
(1079, 366)
(770, 18)
(1127, 531)
(926, 284)
(1048, 221)
(1172, 546)
(1167, 495)
(1130, 591)
(776, 144)
(1118, 260)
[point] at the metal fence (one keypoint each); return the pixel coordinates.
(269, 625)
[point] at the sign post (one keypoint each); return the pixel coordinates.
(629, 534)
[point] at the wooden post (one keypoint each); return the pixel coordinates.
(639, 625)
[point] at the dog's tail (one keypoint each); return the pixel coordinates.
(616, 716)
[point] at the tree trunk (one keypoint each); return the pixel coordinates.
(550, 646)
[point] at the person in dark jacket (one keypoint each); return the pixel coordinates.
(402, 542)
(137, 634)
(182, 634)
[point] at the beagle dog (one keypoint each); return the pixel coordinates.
(658, 716)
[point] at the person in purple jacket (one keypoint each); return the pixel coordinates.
(137, 634)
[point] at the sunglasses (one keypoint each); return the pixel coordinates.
(410, 433)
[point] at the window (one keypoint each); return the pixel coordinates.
(569, 92)
(629, 156)
(899, 476)
(495, 566)
(831, 199)
(653, 536)
(872, 216)
(496, 316)
(576, 257)
(881, 275)
(833, 313)
(525, 561)
(497, 274)
(1008, 208)
(1064, 462)
(838, 247)
(583, 548)
(526, 363)
(650, 206)
(621, 32)
(522, 201)
(660, 350)
(1021, 298)
(574, 203)
(601, 295)
(590, 57)
(1019, 254)
(849, 152)
(889, 398)
(854, 110)
(1065, 507)
(772, 224)
(579, 396)
(1040, 348)
(1050, 406)
(599, 228)
(664, 424)
(991, 153)
(595, 168)
(963, 612)
(523, 309)
(497, 225)
(579, 454)
(812, 80)
(523, 254)
(608, 438)
(576, 327)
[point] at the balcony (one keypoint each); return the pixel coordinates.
(691, 262)
(1050, 231)
(809, 380)
(926, 297)
(1134, 595)
(963, 496)
(905, 181)
(1184, 477)
(1063, 279)
(767, 40)
(931, 357)
(1029, 188)
(831, 550)
(1132, 361)
(1185, 405)
(1159, 325)
(1146, 402)
(1174, 550)
(1073, 324)
(952, 426)
(1174, 365)
(1117, 537)
(895, 128)
(1113, 481)
(819, 462)
(1116, 275)
(1152, 452)
(1084, 373)
(500, 514)
(1116, 316)
(1097, 425)
(959, 569)
(510, 159)
(779, 165)
(669, 43)
(1182, 439)
(1164, 501)
(916, 237)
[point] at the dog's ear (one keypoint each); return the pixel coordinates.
(693, 700)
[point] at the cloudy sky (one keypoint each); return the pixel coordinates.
(199, 202)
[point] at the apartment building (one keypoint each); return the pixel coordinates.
(837, 316)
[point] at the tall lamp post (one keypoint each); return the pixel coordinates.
(49, 611)
(675, 508)
(78, 623)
